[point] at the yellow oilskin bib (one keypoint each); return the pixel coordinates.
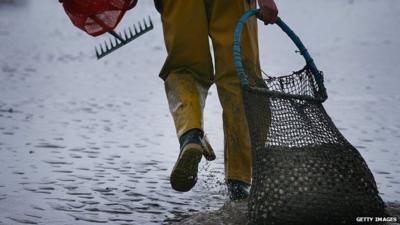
(189, 71)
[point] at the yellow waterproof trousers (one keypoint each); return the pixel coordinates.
(188, 71)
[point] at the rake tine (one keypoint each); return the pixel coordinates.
(100, 52)
(130, 31)
(117, 36)
(97, 52)
(126, 35)
(103, 49)
(115, 42)
(145, 23)
(111, 43)
(136, 30)
(108, 46)
(150, 24)
(123, 38)
(140, 27)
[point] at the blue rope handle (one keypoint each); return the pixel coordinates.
(238, 57)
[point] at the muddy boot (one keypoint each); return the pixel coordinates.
(208, 151)
(237, 189)
(184, 173)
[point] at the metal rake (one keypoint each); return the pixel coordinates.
(121, 39)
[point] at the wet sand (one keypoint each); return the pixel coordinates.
(85, 141)
(234, 213)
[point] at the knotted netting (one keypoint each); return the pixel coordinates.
(97, 17)
(304, 170)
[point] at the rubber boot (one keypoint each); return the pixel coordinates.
(238, 190)
(184, 173)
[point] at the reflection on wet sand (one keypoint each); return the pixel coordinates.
(85, 141)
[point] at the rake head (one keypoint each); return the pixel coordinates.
(121, 39)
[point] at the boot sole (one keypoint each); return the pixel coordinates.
(184, 173)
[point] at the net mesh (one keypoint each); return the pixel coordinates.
(305, 171)
(97, 17)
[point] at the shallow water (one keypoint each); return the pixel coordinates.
(85, 141)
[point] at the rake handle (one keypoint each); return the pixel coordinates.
(112, 32)
(237, 49)
(117, 36)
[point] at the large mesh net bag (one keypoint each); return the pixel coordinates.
(304, 170)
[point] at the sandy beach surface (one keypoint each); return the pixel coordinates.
(234, 213)
(85, 141)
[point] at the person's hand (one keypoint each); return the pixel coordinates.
(268, 11)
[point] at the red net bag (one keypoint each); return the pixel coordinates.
(97, 17)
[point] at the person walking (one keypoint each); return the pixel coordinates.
(188, 73)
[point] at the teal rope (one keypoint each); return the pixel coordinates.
(238, 57)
